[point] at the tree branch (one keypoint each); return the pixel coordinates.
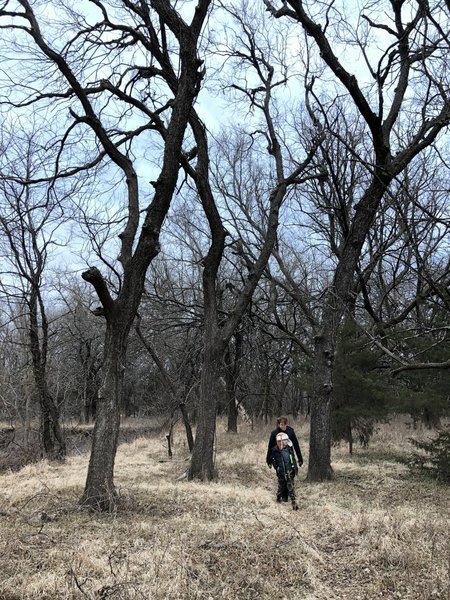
(95, 278)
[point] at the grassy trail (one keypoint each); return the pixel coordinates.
(375, 532)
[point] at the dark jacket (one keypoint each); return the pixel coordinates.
(273, 442)
(283, 461)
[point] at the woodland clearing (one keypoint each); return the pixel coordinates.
(376, 531)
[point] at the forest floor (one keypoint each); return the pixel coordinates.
(376, 532)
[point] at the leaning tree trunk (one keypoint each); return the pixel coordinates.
(187, 426)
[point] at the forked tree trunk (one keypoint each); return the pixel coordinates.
(216, 338)
(320, 441)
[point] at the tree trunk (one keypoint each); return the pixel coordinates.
(350, 437)
(319, 468)
(100, 493)
(339, 297)
(231, 375)
(52, 438)
(232, 414)
(202, 462)
(187, 426)
(52, 435)
(47, 444)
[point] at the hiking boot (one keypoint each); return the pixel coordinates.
(294, 506)
(278, 498)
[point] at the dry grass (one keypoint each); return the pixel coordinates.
(375, 532)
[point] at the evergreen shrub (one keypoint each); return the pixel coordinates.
(434, 457)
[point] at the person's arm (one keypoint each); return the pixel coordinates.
(271, 444)
(296, 466)
(276, 460)
(296, 445)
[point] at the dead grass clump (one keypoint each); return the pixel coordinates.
(18, 447)
(15, 458)
(253, 565)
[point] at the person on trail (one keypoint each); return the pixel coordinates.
(283, 427)
(282, 458)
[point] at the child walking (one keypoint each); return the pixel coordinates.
(282, 458)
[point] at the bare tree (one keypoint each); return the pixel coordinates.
(30, 217)
(177, 393)
(119, 71)
(77, 348)
(405, 106)
(252, 52)
(16, 378)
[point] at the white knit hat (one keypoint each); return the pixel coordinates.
(283, 436)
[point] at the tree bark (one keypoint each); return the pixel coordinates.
(320, 432)
(336, 300)
(187, 426)
(52, 436)
(100, 493)
(231, 375)
(232, 426)
(202, 463)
